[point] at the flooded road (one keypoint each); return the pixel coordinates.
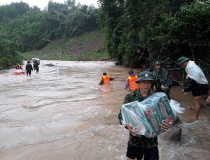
(62, 113)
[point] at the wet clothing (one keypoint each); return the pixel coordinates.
(196, 88)
(162, 78)
(36, 66)
(141, 143)
(194, 72)
(148, 153)
(131, 82)
(198, 83)
(29, 68)
(106, 80)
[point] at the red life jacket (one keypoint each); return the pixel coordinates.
(106, 79)
(132, 83)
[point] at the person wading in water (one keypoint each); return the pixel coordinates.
(130, 82)
(198, 83)
(141, 146)
(163, 81)
(106, 79)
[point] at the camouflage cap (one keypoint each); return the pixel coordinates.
(145, 76)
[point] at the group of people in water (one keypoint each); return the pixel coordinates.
(29, 67)
(147, 83)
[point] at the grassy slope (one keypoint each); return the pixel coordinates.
(89, 46)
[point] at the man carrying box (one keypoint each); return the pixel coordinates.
(141, 146)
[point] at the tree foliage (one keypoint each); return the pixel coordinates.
(24, 28)
(140, 31)
(137, 31)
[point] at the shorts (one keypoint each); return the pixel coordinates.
(139, 153)
(199, 89)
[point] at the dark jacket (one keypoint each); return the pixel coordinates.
(162, 78)
(29, 67)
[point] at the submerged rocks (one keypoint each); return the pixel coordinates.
(49, 65)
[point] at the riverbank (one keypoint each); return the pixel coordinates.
(87, 47)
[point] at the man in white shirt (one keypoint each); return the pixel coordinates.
(198, 83)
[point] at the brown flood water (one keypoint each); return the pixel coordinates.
(62, 113)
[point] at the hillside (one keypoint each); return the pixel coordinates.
(89, 46)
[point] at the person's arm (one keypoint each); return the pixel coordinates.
(208, 100)
(111, 79)
(126, 83)
(168, 80)
(189, 86)
(165, 125)
(164, 79)
(131, 130)
(101, 82)
(126, 100)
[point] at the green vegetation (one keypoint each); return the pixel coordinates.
(89, 46)
(136, 32)
(24, 29)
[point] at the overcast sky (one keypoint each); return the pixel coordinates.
(43, 3)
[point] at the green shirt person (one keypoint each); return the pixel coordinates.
(141, 146)
(162, 81)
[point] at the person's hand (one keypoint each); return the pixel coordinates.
(162, 87)
(184, 91)
(154, 88)
(165, 125)
(208, 100)
(131, 129)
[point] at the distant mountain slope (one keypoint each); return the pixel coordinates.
(89, 46)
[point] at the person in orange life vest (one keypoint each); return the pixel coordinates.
(106, 79)
(130, 82)
(18, 67)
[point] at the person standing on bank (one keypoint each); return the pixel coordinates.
(106, 79)
(163, 81)
(130, 82)
(198, 83)
(29, 68)
(141, 146)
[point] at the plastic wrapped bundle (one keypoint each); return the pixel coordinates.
(133, 114)
(37, 60)
(147, 116)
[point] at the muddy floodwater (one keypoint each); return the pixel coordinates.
(61, 113)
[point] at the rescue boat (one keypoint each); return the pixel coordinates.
(19, 72)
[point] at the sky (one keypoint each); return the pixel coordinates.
(43, 3)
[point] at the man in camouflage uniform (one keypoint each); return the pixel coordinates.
(162, 81)
(141, 146)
